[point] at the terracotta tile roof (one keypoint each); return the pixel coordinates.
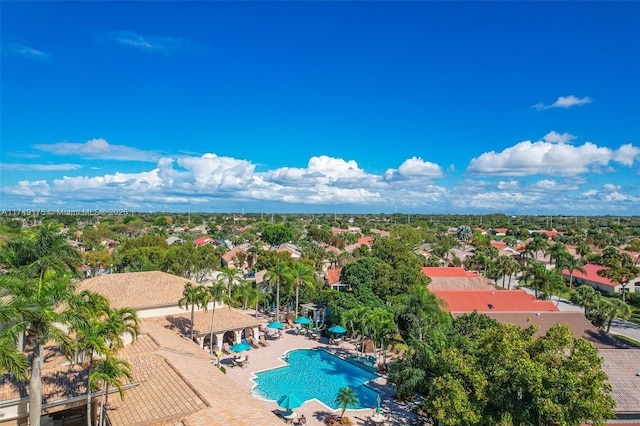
(496, 301)
(137, 289)
(366, 240)
(622, 367)
(228, 257)
(333, 275)
(225, 318)
(591, 274)
(58, 384)
(460, 283)
(580, 326)
(180, 386)
(439, 271)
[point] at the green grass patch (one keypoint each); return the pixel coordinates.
(628, 340)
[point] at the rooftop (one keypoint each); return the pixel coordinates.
(580, 326)
(137, 289)
(623, 368)
(496, 301)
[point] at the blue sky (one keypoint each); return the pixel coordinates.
(368, 107)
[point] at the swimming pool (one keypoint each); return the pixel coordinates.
(315, 374)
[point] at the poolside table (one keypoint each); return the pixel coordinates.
(378, 419)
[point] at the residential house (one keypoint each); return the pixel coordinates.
(332, 279)
(230, 258)
(591, 278)
(294, 250)
(203, 240)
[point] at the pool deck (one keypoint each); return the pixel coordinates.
(268, 357)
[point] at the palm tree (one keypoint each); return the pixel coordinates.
(617, 309)
(584, 296)
(537, 271)
(98, 330)
(45, 251)
(510, 267)
(109, 372)
(229, 276)
(572, 264)
(382, 325)
(558, 251)
(216, 293)
(44, 296)
(302, 274)
(346, 398)
(583, 250)
(192, 296)
(420, 310)
(536, 245)
(280, 274)
(12, 361)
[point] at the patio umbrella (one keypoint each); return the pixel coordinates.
(378, 406)
(337, 329)
(276, 325)
(240, 347)
(289, 402)
(302, 321)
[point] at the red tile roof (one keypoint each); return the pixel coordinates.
(202, 241)
(333, 275)
(592, 274)
(493, 301)
(439, 271)
(366, 240)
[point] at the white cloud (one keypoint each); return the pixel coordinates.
(627, 155)
(609, 193)
(39, 167)
(555, 159)
(29, 189)
(25, 51)
(510, 185)
(150, 44)
(564, 102)
(556, 137)
(99, 149)
(412, 168)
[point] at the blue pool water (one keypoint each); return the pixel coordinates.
(315, 374)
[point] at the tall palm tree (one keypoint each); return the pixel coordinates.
(108, 372)
(346, 397)
(572, 264)
(216, 293)
(280, 274)
(45, 251)
(192, 296)
(12, 361)
(557, 252)
(229, 276)
(45, 297)
(302, 274)
(420, 310)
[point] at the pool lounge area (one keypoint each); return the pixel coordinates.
(315, 412)
(316, 374)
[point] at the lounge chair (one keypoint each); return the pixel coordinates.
(263, 341)
(252, 342)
